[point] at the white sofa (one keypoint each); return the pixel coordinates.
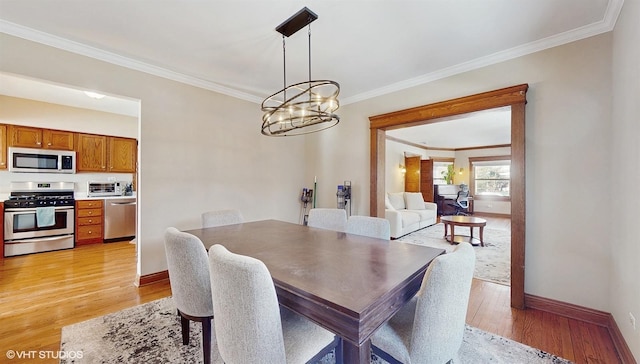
(407, 212)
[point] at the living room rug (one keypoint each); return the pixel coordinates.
(493, 261)
(151, 333)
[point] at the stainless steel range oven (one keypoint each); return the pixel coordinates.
(39, 217)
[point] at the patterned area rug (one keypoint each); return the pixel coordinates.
(150, 333)
(493, 261)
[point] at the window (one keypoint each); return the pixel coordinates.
(439, 170)
(491, 177)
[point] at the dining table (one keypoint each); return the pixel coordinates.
(349, 284)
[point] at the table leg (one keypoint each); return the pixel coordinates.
(481, 236)
(356, 354)
(453, 234)
(445, 229)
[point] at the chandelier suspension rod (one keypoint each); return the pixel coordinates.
(309, 32)
(284, 66)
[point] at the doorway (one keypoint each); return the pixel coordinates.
(515, 97)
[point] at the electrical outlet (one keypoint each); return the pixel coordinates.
(632, 320)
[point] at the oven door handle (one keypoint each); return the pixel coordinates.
(31, 240)
(57, 208)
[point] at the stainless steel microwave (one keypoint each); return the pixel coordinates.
(41, 160)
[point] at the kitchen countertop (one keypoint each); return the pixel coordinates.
(83, 196)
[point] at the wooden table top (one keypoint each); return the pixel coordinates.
(349, 284)
(463, 220)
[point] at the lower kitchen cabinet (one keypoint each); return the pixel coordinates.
(89, 221)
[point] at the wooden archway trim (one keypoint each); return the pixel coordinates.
(515, 97)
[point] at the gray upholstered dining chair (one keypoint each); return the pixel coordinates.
(189, 277)
(429, 329)
(221, 217)
(331, 219)
(375, 227)
(250, 326)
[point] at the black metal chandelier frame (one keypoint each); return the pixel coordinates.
(305, 107)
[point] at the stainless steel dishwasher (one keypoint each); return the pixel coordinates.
(119, 218)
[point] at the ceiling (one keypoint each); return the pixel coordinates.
(370, 47)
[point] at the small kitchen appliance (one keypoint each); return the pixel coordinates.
(106, 189)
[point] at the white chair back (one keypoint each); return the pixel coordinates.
(189, 277)
(247, 324)
(374, 227)
(221, 218)
(441, 308)
(331, 219)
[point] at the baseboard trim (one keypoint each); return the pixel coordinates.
(584, 314)
(153, 278)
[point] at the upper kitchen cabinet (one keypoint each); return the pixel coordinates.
(3, 147)
(99, 153)
(91, 153)
(28, 137)
(57, 139)
(122, 154)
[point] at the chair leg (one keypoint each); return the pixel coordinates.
(206, 340)
(185, 330)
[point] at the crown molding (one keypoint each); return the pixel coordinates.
(109, 57)
(605, 25)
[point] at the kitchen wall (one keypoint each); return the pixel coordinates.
(19, 111)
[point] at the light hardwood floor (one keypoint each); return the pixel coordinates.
(41, 293)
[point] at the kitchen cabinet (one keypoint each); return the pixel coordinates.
(99, 153)
(89, 221)
(3, 149)
(29, 137)
(91, 153)
(122, 154)
(57, 139)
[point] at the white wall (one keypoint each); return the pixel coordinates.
(18, 111)
(567, 128)
(625, 175)
(199, 150)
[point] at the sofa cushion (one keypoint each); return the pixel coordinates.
(414, 201)
(387, 203)
(409, 218)
(425, 214)
(397, 200)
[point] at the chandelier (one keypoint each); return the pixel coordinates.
(304, 107)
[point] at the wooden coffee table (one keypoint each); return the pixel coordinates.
(469, 221)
